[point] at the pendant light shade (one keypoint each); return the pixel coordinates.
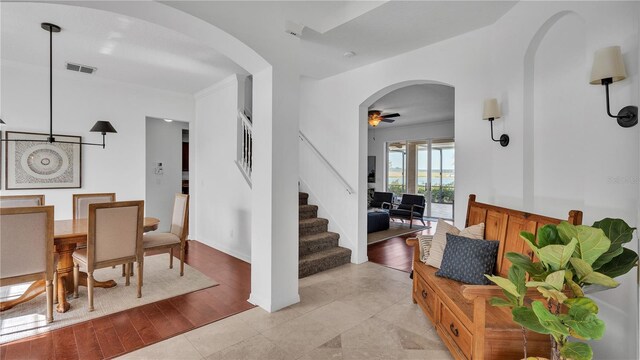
(103, 127)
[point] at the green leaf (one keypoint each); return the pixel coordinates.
(619, 233)
(584, 303)
(556, 279)
(518, 277)
(553, 294)
(586, 275)
(584, 324)
(536, 284)
(530, 239)
(577, 290)
(557, 256)
(620, 264)
(524, 262)
(591, 243)
(505, 284)
(548, 235)
(528, 319)
(500, 302)
(548, 320)
(566, 232)
(576, 351)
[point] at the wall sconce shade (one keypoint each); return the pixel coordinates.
(608, 64)
(608, 67)
(491, 112)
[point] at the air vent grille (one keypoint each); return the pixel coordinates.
(81, 68)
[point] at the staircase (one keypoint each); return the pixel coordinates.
(318, 248)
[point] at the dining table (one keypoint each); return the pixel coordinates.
(68, 234)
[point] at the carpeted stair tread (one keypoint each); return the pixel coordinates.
(312, 226)
(308, 212)
(323, 260)
(317, 242)
(303, 198)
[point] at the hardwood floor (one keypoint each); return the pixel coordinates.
(122, 332)
(394, 252)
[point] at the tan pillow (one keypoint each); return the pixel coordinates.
(439, 241)
(425, 246)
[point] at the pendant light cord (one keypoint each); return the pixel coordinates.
(51, 139)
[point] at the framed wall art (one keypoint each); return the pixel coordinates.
(38, 164)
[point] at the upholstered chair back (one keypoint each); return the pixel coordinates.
(409, 199)
(81, 203)
(21, 200)
(180, 218)
(115, 231)
(26, 241)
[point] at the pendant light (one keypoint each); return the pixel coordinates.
(102, 127)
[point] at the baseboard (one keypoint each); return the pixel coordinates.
(267, 305)
(228, 251)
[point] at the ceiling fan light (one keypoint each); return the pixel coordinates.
(375, 119)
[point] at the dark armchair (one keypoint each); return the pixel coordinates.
(411, 207)
(381, 200)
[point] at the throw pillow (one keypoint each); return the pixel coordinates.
(425, 246)
(440, 240)
(467, 260)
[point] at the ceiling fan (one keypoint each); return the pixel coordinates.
(375, 117)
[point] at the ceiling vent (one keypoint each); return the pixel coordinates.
(81, 68)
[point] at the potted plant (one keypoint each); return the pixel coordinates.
(572, 260)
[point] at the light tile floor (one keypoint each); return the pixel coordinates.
(350, 312)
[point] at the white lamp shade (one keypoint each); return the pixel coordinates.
(608, 63)
(491, 109)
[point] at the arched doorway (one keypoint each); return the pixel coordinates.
(365, 106)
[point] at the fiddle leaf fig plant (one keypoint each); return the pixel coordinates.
(571, 257)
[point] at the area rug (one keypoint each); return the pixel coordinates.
(160, 283)
(395, 229)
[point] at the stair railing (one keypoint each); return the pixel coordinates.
(244, 158)
(335, 172)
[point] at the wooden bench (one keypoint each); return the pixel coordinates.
(469, 327)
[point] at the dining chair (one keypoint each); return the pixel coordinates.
(81, 202)
(114, 237)
(177, 235)
(26, 248)
(21, 200)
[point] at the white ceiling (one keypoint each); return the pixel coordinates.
(134, 51)
(122, 48)
(373, 30)
(417, 104)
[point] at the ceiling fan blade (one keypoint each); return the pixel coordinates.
(388, 120)
(390, 115)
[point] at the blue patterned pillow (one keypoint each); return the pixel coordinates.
(467, 260)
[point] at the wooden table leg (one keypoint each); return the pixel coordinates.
(65, 276)
(35, 289)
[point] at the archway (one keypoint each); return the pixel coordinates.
(361, 246)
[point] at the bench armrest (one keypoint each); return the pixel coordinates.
(470, 292)
(416, 248)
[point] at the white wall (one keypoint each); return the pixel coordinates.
(163, 144)
(587, 149)
(79, 101)
(222, 196)
(377, 147)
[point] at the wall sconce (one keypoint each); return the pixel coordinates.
(608, 68)
(492, 112)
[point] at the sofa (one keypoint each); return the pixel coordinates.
(467, 324)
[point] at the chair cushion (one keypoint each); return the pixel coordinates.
(404, 213)
(440, 240)
(80, 255)
(155, 239)
(468, 260)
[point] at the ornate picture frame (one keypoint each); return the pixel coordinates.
(42, 165)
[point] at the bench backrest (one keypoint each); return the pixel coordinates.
(505, 225)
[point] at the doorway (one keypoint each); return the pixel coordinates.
(424, 167)
(165, 167)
